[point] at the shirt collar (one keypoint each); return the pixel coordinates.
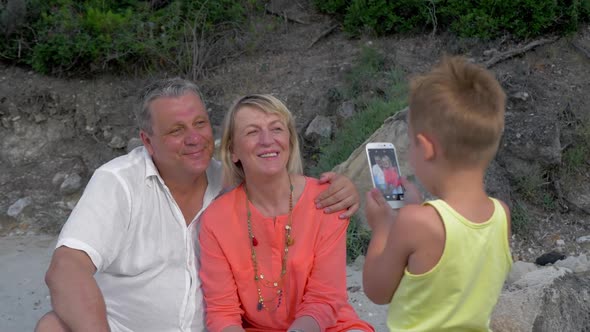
(214, 176)
(150, 167)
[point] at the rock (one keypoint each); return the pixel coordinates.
(576, 264)
(490, 52)
(58, 178)
(17, 207)
(521, 95)
(40, 118)
(133, 143)
(71, 184)
(560, 243)
(320, 127)
(547, 299)
(117, 142)
(13, 109)
(107, 132)
(518, 270)
(346, 110)
(549, 258)
(5, 122)
(583, 239)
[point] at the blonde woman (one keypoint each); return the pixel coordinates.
(270, 261)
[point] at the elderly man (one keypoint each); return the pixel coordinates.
(125, 259)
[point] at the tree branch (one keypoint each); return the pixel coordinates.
(517, 51)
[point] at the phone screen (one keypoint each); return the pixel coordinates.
(385, 173)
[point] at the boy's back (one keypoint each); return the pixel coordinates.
(457, 290)
(441, 265)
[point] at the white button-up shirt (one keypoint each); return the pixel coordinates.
(130, 226)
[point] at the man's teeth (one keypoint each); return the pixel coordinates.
(271, 154)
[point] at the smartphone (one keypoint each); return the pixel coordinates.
(385, 172)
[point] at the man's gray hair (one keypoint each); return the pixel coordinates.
(169, 87)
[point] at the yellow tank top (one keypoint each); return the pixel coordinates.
(461, 290)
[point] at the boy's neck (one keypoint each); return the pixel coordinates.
(459, 183)
(464, 190)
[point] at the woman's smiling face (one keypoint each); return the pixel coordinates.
(260, 142)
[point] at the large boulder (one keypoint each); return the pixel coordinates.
(545, 300)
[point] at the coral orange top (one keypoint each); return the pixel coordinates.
(391, 177)
(315, 281)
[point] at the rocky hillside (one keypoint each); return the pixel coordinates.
(55, 132)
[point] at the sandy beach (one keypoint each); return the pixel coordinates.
(24, 298)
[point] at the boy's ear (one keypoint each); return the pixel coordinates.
(426, 145)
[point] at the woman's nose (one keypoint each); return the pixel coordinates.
(265, 137)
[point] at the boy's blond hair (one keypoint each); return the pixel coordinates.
(462, 105)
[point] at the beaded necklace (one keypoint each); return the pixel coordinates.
(259, 278)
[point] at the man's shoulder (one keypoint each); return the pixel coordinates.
(129, 171)
(130, 164)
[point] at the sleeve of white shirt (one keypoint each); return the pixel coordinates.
(100, 220)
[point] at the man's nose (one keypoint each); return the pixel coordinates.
(192, 137)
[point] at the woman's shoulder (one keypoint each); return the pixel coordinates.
(313, 185)
(223, 203)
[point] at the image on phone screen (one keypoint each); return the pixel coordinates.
(385, 173)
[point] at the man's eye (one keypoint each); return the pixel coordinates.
(251, 132)
(176, 131)
(201, 123)
(278, 129)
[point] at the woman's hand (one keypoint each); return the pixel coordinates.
(340, 195)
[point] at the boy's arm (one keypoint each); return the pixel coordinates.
(340, 195)
(389, 249)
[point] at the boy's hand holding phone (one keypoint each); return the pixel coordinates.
(385, 172)
(378, 211)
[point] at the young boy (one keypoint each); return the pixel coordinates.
(441, 265)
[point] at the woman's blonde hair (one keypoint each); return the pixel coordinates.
(233, 173)
(462, 105)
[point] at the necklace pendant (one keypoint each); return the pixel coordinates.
(290, 241)
(254, 241)
(259, 306)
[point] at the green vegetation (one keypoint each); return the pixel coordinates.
(535, 188)
(530, 186)
(484, 19)
(357, 239)
(521, 221)
(577, 157)
(74, 36)
(378, 91)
